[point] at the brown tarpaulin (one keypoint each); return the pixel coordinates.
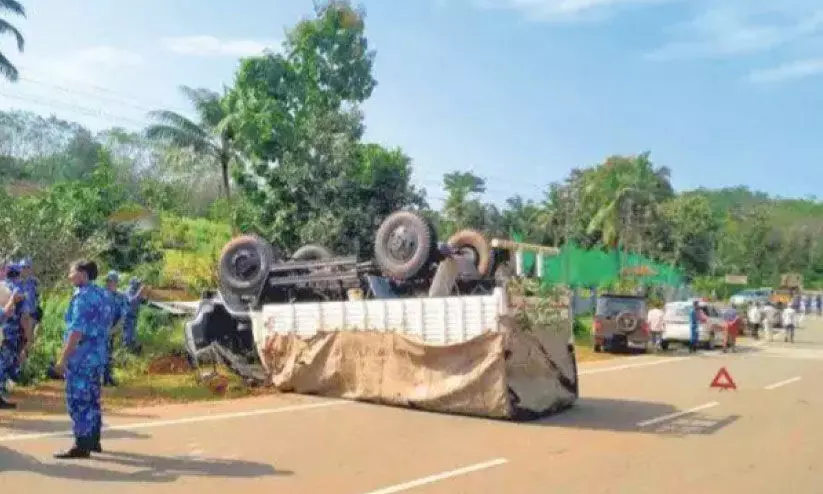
(511, 374)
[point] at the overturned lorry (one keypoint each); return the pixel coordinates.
(422, 325)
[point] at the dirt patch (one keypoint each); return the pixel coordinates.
(169, 364)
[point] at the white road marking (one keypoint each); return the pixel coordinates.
(585, 372)
(677, 414)
(180, 421)
(782, 383)
(440, 476)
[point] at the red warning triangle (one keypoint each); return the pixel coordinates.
(723, 380)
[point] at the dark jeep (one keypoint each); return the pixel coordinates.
(620, 323)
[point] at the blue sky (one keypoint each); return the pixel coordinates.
(519, 91)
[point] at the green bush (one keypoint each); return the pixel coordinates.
(157, 331)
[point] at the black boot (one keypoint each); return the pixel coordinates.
(80, 450)
(96, 447)
(5, 405)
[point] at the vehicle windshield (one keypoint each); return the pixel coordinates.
(611, 307)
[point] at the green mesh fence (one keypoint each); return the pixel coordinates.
(579, 267)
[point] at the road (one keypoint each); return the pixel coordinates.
(643, 424)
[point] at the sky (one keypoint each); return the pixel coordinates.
(723, 92)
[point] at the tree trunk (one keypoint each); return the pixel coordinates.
(224, 165)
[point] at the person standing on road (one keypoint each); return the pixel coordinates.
(120, 305)
(768, 314)
(732, 321)
(88, 319)
(696, 317)
(134, 295)
(29, 285)
(789, 323)
(13, 344)
(819, 304)
(657, 324)
(755, 317)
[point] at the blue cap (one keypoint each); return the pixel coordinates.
(24, 263)
(113, 276)
(12, 269)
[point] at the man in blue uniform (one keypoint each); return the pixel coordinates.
(31, 306)
(88, 319)
(135, 298)
(696, 316)
(120, 306)
(12, 323)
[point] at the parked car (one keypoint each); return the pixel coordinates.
(620, 323)
(677, 330)
(750, 296)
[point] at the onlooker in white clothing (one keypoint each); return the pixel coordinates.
(755, 317)
(657, 324)
(768, 320)
(789, 323)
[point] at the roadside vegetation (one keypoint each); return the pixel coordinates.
(280, 153)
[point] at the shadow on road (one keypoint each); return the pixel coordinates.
(625, 415)
(144, 468)
(17, 425)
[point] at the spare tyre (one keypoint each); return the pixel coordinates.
(312, 252)
(473, 244)
(245, 263)
(403, 245)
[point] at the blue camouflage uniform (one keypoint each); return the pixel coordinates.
(12, 331)
(90, 314)
(120, 306)
(30, 285)
(130, 318)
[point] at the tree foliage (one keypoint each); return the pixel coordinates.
(7, 69)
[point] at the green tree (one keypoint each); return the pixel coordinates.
(295, 113)
(7, 68)
(211, 137)
(691, 229)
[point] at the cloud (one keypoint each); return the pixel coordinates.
(727, 28)
(210, 46)
(797, 69)
(563, 10)
(85, 65)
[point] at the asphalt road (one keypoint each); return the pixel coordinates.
(643, 425)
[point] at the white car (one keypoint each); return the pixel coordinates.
(676, 317)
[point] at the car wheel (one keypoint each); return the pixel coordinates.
(244, 263)
(598, 348)
(664, 345)
(403, 245)
(312, 252)
(474, 245)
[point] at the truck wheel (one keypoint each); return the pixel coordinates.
(403, 245)
(312, 252)
(664, 345)
(244, 263)
(475, 245)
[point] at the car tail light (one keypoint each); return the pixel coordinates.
(598, 327)
(645, 327)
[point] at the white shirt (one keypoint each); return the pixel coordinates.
(768, 315)
(754, 314)
(789, 317)
(655, 318)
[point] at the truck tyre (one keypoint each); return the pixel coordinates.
(403, 245)
(477, 244)
(244, 263)
(312, 252)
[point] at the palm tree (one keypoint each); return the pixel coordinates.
(211, 137)
(7, 69)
